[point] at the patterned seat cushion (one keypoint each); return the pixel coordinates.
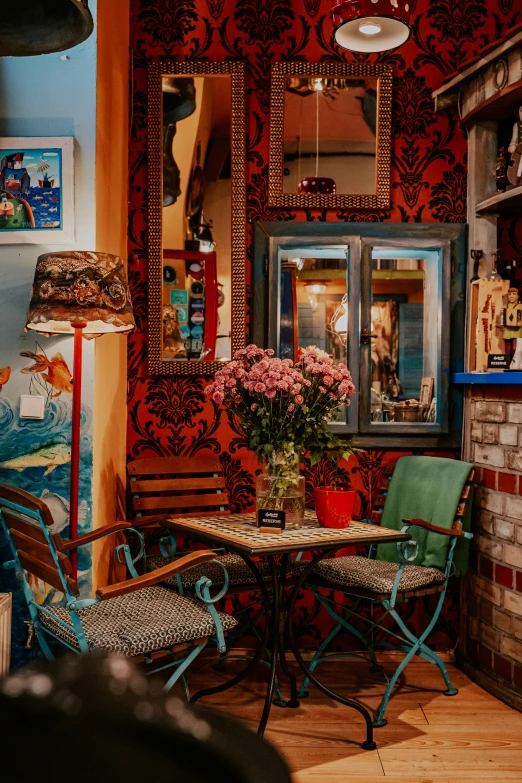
(376, 575)
(238, 571)
(149, 619)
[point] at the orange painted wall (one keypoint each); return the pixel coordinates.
(110, 370)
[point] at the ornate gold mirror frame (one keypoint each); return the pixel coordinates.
(289, 77)
(157, 70)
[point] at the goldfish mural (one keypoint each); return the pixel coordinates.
(53, 371)
(35, 455)
(5, 374)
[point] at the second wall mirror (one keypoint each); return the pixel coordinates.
(330, 135)
(196, 215)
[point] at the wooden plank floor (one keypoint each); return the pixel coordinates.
(430, 738)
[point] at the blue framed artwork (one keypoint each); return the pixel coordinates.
(36, 190)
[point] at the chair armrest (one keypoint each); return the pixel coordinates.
(153, 577)
(436, 529)
(100, 532)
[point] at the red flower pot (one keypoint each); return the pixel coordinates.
(334, 507)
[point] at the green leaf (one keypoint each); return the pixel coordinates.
(315, 457)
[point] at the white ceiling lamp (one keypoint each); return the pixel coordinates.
(372, 25)
(314, 290)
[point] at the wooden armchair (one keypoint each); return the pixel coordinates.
(138, 617)
(397, 573)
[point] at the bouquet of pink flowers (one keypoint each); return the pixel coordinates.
(284, 407)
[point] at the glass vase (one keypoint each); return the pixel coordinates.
(280, 487)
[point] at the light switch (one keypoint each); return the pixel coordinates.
(32, 406)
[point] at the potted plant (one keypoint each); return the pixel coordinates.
(284, 409)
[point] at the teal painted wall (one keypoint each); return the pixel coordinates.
(49, 95)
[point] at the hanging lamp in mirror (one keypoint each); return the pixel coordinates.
(316, 184)
(372, 25)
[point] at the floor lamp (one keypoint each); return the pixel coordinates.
(85, 294)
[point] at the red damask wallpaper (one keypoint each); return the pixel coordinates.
(173, 416)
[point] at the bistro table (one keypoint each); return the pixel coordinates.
(239, 533)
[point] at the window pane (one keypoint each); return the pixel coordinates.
(314, 303)
(406, 291)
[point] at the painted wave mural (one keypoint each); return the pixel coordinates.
(35, 456)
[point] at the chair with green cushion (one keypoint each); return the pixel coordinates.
(430, 498)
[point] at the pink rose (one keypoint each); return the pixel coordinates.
(270, 393)
(299, 399)
(259, 387)
(253, 407)
(218, 397)
(307, 382)
(209, 389)
(230, 383)
(322, 389)
(327, 380)
(332, 396)
(291, 407)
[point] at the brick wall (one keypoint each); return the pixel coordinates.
(492, 605)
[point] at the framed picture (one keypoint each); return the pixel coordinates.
(36, 190)
(426, 392)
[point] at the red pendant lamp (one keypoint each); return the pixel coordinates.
(372, 25)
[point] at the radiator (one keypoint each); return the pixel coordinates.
(5, 633)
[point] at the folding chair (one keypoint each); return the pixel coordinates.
(393, 574)
(138, 617)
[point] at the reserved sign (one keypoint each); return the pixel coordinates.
(271, 519)
(499, 361)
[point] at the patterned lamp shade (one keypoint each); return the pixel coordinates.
(78, 286)
(372, 25)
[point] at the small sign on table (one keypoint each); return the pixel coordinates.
(270, 520)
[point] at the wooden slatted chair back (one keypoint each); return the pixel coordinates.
(178, 486)
(28, 524)
(380, 500)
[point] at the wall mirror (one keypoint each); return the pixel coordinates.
(386, 299)
(197, 215)
(330, 135)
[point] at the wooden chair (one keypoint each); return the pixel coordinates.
(385, 585)
(188, 486)
(195, 486)
(137, 617)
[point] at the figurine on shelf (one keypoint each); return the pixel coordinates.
(514, 171)
(501, 170)
(511, 320)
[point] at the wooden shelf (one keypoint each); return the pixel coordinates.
(508, 203)
(504, 378)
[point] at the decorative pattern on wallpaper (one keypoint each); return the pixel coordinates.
(172, 415)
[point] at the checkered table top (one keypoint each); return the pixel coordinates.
(239, 532)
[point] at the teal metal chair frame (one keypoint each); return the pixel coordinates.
(28, 520)
(404, 640)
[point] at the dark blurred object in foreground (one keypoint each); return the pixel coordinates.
(96, 719)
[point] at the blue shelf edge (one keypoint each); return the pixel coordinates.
(485, 378)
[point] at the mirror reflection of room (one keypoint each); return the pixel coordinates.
(330, 135)
(404, 335)
(196, 219)
(313, 302)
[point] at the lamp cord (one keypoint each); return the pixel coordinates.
(317, 134)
